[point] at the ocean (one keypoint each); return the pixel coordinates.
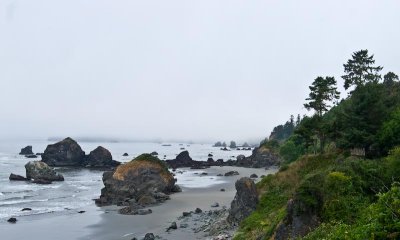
(81, 186)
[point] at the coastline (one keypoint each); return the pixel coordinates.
(106, 223)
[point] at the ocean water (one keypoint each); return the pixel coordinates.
(81, 186)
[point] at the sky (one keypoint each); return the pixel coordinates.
(177, 70)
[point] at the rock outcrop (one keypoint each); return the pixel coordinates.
(261, 157)
(245, 201)
(299, 221)
(143, 181)
(99, 158)
(38, 170)
(26, 151)
(64, 153)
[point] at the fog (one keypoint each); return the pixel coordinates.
(184, 70)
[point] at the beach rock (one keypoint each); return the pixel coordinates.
(31, 156)
(12, 220)
(203, 174)
(26, 151)
(253, 175)
(198, 211)
(173, 226)
(41, 172)
(215, 205)
(149, 236)
(182, 160)
(210, 155)
(64, 153)
(15, 177)
(222, 190)
(80, 212)
(245, 201)
(186, 214)
(144, 212)
(140, 179)
(231, 173)
(154, 153)
(183, 225)
(100, 158)
(125, 154)
(220, 175)
(147, 200)
(26, 209)
(176, 189)
(261, 157)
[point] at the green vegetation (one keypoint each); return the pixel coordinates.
(146, 157)
(341, 164)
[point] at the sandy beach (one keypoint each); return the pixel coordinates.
(105, 223)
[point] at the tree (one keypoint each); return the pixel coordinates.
(298, 120)
(323, 91)
(360, 70)
(389, 79)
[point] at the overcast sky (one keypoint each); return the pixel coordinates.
(191, 70)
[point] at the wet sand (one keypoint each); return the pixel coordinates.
(105, 223)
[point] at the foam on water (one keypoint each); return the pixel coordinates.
(194, 179)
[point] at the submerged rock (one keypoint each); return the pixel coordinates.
(64, 153)
(26, 151)
(12, 220)
(41, 172)
(245, 201)
(141, 180)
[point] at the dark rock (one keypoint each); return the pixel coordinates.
(186, 214)
(204, 174)
(176, 189)
(183, 225)
(31, 156)
(64, 153)
(253, 175)
(173, 226)
(154, 153)
(215, 205)
(26, 209)
(149, 236)
(222, 190)
(81, 212)
(100, 158)
(231, 173)
(41, 172)
(125, 154)
(260, 158)
(15, 177)
(299, 221)
(245, 201)
(198, 210)
(12, 220)
(140, 179)
(210, 155)
(26, 151)
(39, 154)
(220, 175)
(224, 149)
(210, 161)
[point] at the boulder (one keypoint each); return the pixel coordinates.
(173, 226)
(231, 173)
(26, 151)
(149, 236)
(26, 209)
(15, 177)
(41, 172)
(184, 160)
(245, 201)
(198, 211)
(125, 154)
(253, 175)
(99, 158)
(140, 180)
(12, 220)
(210, 155)
(214, 205)
(154, 153)
(64, 153)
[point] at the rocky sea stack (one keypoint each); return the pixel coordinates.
(245, 201)
(26, 151)
(143, 181)
(68, 153)
(100, 157)
(64, 153)
(40, 172)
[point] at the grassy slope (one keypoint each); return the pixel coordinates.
(344, 192)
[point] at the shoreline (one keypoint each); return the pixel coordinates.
(107, 223)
